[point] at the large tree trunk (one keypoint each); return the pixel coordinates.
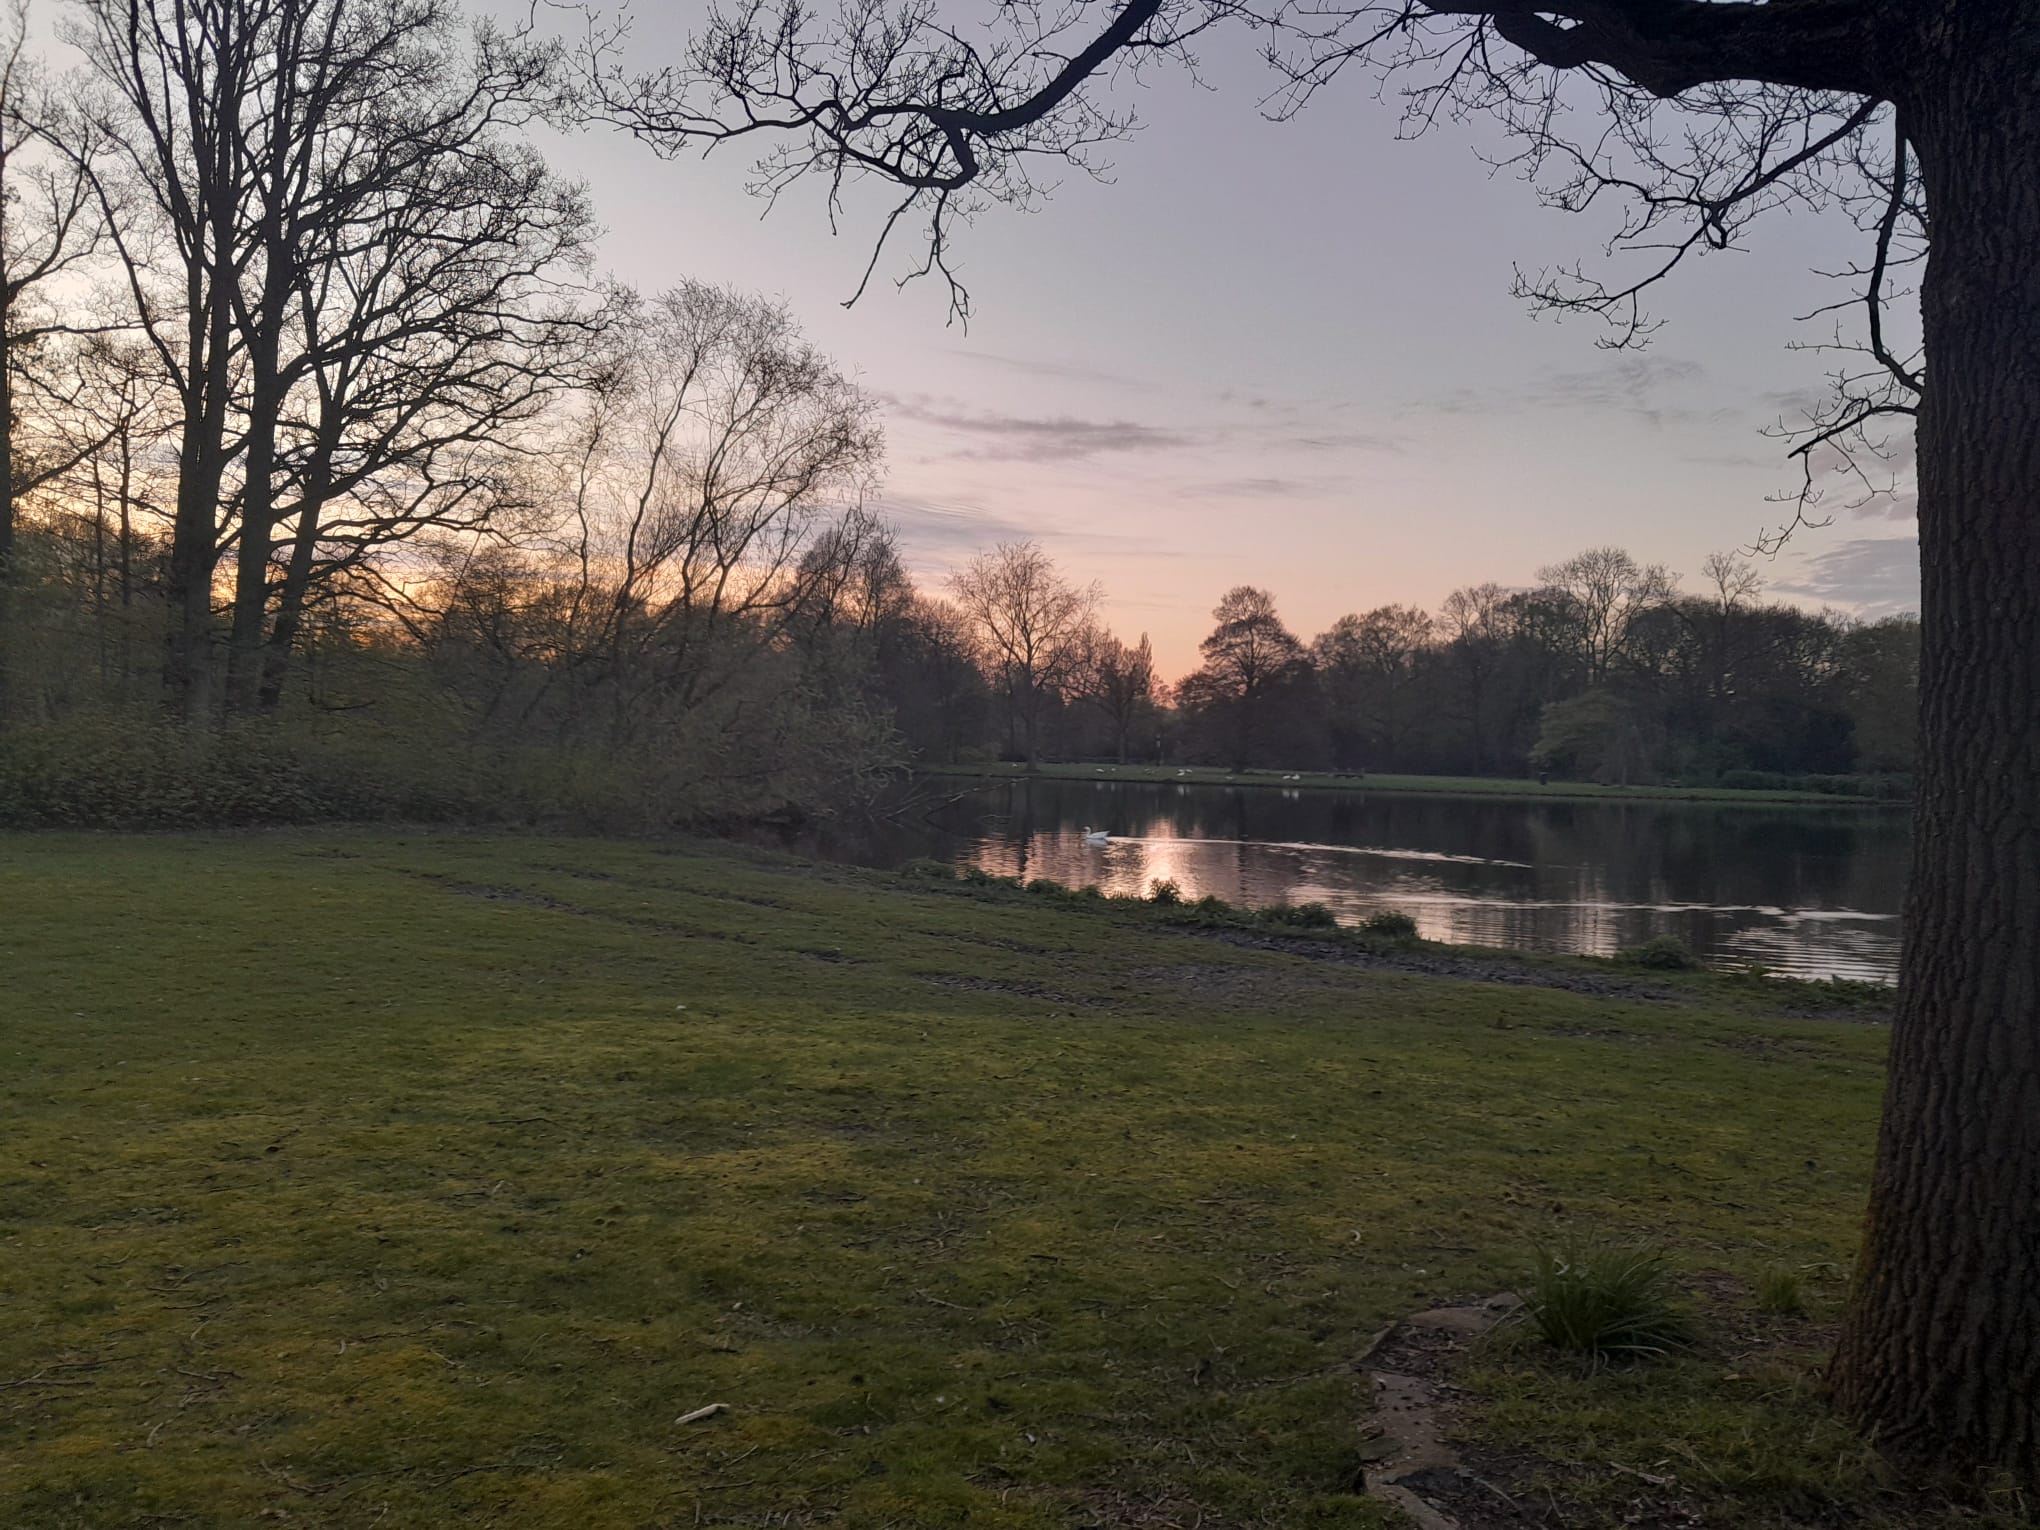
(1940, 1355)
(245, 643)
(201, 478)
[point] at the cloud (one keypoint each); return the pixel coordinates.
(1027, 438)
(1627, 382)
(1061, 371)
(1343, 441)
(937, 534)
(1878, 576)
(942, 530)
(1632, 385)
(1260, 488)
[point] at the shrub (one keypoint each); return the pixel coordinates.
(1163, 890)
(1607, 1302)
(1211, 903)
(1307, 916)
(1391, 921)
(1665, 953)
(1048, 887)
(1091, 890)
(977, 876)
(1780, 1290)
(927, 866)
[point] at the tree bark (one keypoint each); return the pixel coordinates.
(1940, 1354)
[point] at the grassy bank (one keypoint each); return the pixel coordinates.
(1449, 786)
(350, 1179)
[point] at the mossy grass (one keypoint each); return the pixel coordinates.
(429, 1178)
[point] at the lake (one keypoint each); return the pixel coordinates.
(1810, 891)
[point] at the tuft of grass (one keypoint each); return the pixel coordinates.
(1166, 891)
(1781, 1291)
(1048, 887)
(1606, 1301)
(1392, 922)
(929, 869)
(1661, 953)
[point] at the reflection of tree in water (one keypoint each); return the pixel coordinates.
(1588, 876)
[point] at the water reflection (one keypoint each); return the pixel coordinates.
(1813, 892)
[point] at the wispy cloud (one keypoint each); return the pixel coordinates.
(1060, 371)
(942, 530)
(1877, 576)
(1627, 381)
(1260, 488)
(1030, 438)
(1343, 441)
(937, 534)
(1644, 387)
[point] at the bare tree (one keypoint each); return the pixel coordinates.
(1120, 682)
(434, 310)
(349, 268)
(1603, 592)
(1915, 118)
(49, 224)
(174, 184)
(1031, 625)
(708, 475)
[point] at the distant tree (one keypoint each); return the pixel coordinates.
(1477, 622)
(1252, 663)
(1033, 627)
(1597, 734)
(937, 694)
(1369, 668)
(1602, 592)
(1880, 663)
(1120, 682)
(708, 502)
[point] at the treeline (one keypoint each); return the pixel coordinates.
(338, 482)
(1606, 670)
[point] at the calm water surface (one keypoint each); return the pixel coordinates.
(1810, 891)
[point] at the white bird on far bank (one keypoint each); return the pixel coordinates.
(1096, 836)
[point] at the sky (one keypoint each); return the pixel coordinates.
(1283, 354)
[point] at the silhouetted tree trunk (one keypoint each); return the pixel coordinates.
(1941, 1352)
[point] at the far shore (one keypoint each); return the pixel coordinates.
(1441, 786)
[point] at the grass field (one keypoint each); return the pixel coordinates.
(358, 1179)
(1449, 786)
